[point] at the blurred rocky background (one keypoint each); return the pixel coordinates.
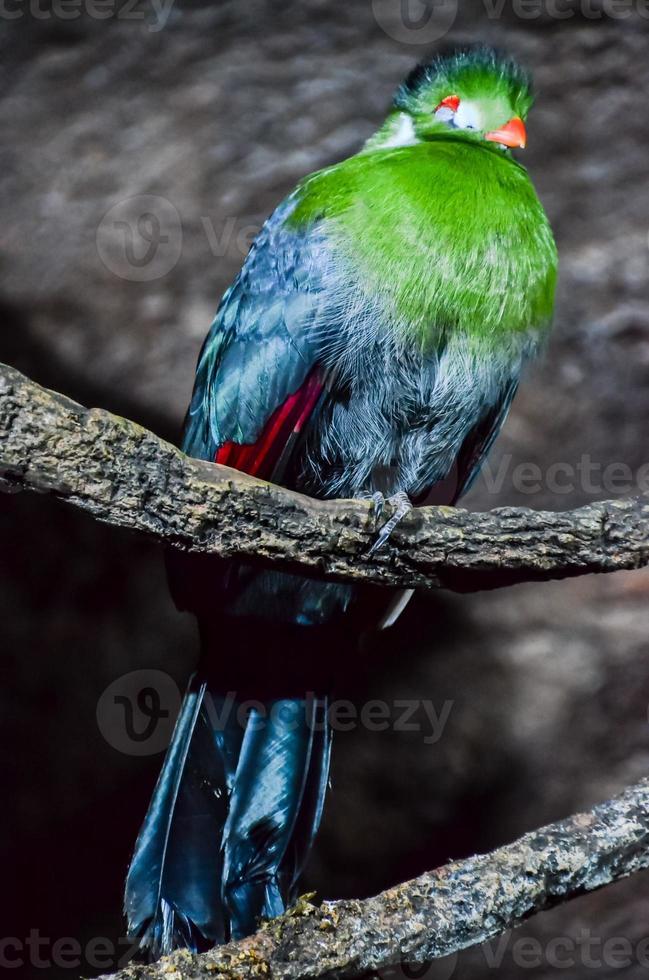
(142, 144)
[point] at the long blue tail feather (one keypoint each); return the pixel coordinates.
(230, 823)
(172, 895)
(315, 790)
(267, 798)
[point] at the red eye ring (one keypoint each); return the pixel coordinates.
(451, 102)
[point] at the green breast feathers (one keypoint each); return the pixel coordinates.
(448, 234)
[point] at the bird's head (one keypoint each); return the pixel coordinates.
(475, 93)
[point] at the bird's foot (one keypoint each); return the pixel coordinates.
(401, 505)
(378, 500)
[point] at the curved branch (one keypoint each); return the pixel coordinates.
(439, 913)
(128, 477)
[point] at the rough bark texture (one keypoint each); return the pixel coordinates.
(126, 476)
(438, 913)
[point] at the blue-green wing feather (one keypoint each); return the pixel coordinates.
(269, 332)
(479, 442)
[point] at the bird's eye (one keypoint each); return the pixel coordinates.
(447, 108)
(451, 102)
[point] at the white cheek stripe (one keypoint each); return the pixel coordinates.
(468, 116)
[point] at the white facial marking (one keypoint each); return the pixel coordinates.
(468, 116)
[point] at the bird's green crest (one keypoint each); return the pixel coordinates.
(472, 73)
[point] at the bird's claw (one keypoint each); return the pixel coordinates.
(402, 505)
(379, 505)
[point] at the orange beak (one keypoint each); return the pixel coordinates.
(512, 134)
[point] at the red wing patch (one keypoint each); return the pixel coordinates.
(261, 457)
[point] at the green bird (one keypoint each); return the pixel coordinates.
(370, 346)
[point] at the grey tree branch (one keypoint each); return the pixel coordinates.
(128, 477)
(441, 912)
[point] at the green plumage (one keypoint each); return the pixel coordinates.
(445, 229)
(449, 233)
